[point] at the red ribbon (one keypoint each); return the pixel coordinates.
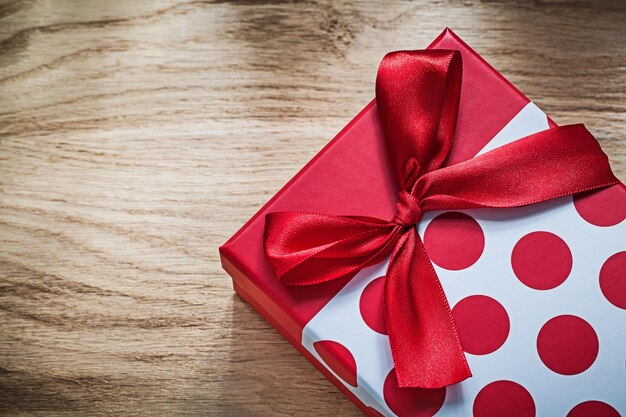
(417, 94)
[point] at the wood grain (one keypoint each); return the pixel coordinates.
(136, 137)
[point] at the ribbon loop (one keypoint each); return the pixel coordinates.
(417, 95)
(408, 210)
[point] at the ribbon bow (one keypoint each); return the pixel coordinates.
(417, 94)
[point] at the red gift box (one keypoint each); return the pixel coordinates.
(351, 176)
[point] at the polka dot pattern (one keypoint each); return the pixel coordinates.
(550, 279)
(613, 280)
(567, 344)
(604, 207)
(371, 305)
(454, 240)
(482, 323)
(339, 359)
(504, 398)
(541, 260)
(412, 402)
(593, 409)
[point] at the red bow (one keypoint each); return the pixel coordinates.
(417, 94)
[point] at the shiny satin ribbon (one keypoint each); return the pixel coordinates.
(417, 95)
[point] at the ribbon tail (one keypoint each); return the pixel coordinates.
(424, 341)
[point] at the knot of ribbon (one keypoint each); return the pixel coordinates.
(417, 96)
(408, 210)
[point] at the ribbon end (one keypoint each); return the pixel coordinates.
(430, 381)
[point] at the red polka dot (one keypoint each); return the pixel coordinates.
(613, 280)
(604, 207)
(541, 260)
(482, 322)
(454, 240)
(504, 398)
(371, 305)
(568, 345)
(593, 409)
(412, 402)
(339, 359)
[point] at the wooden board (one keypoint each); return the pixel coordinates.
(136, 137)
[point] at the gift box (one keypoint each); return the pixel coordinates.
(538, 293)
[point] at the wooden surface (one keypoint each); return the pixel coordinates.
(136, 137)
